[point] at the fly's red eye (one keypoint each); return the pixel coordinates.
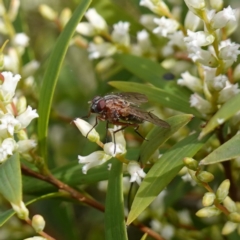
(101, 105)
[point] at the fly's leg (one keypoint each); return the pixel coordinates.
(114, 132)
(138, 133)
(96, 123)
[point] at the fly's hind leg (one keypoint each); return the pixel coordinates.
(96, 123)
(138, 133)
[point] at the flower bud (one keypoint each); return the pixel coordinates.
(208, 212)
(65, 16)
(158, 6)
(191, 163)
(223, 190)
(38, 223)
(229, 204)
(208, 199)
(229, 227)
(191, 21)
(234, 217)
(205, 176)
(36, 238)
(25, 146)
(87, 130)
(47, 12)
(216, 4)
(21, 210)
(236, 73)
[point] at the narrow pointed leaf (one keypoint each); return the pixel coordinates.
(164, 170)
(230, 108)
(11, 180)
(115, 226)
(157, 95)
(52, 72)
(158, 135)
(227, 151)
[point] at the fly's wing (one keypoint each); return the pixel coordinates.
(133, 97)
(148, 116)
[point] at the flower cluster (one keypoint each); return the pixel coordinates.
(117, 148)
(15, 116)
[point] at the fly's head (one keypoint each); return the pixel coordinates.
(97, 104)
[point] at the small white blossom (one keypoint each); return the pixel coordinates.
(21, 210)
(103, 49)
(191, 21)
(21, 40)
(229, 50)
(200, 104)
(147, 21)
(30, 68)
(11, 60)
(96, 20)
(165, 26)
(35, 238)
(26, 145)
(144, 41)
(196, 6)
(86, 128)
(221, 18)
(228, 92)
(216, 4)
(156, 6)
(119, 147)
(86, 29)
(9, 123)
(198, 39)
(220, 121)
(120, 33)
(136, 172)
(26, 117)
(176, 39)
(190, 82)
(93, 159)
(7, 89)
(7, 147)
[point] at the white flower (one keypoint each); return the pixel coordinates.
(96, 20)
(144, 41)
(21, 210)
(156, 6)
(229, 50)
(195, 6)
(7, 89)
(120, 33)
(228, 92)
(165, 26)
(147, 21)
(221, 18)
(11, 60)
(118, 146)
(191, 21)
(190, 82)
(21, 40)
(7, 147)
(176, 39)
(87, 129)
(103, 49)
(93, 159)
(35, 238)
(198, 39)
(26, 145)
(9, 123)
(136, 172)
(26, 117)
(86, 29)
(199, 103)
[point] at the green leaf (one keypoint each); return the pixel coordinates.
(227, 151)
(228, 109)
(143, 68)
(70, 174)
(115, 226)
(161, 174)
(52, 72)
(157, 136)
(11, 180)
(4, 217)
(157, 95)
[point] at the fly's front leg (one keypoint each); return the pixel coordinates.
(138, 133)
(96, 123)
